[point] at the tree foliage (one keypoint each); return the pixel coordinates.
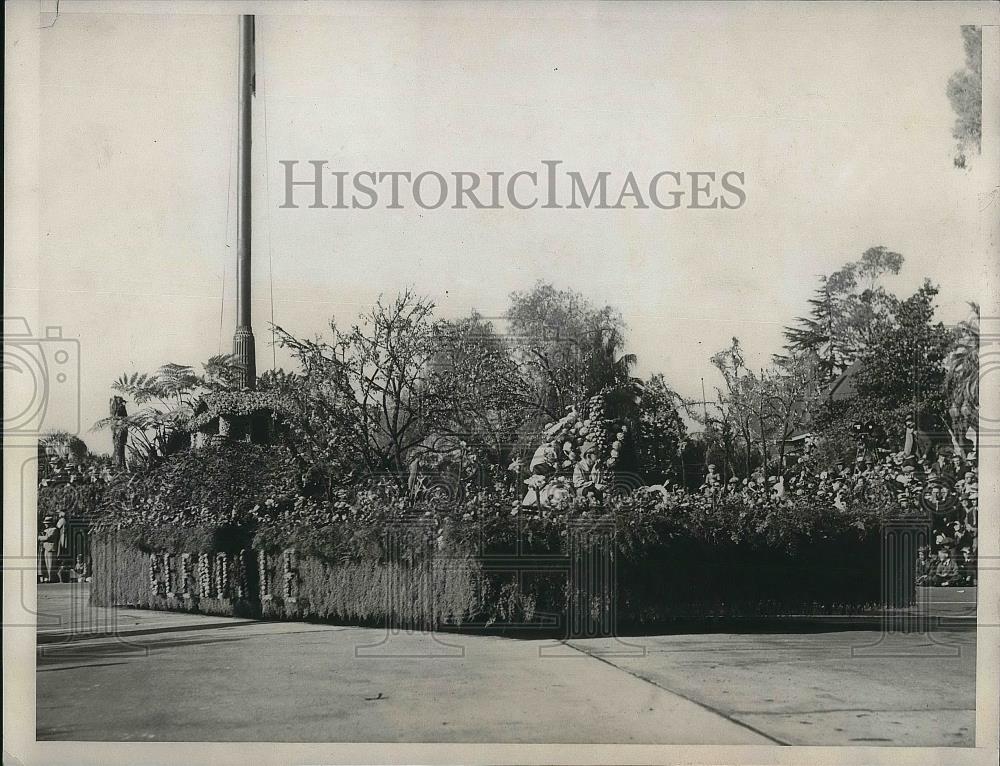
(847, 312)
(965, 92)
(904, 364)
(569, 348)
(962, 376)
(661, 431)
(401, 383)
(756, 412)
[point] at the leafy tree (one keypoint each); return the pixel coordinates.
(607, 364)
(475, 377)
(904, 366)
(962, 378)
(372, 377)
(661, 430)
(401, 384)
(568, 347)
(733, 416)
(813, 334)
(789, 399)
(965, 92)
(902, 373)
(756, 412)
(847, 312)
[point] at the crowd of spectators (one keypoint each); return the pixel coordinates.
(941, 486)
(56, 561)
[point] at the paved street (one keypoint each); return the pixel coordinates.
(140, 675)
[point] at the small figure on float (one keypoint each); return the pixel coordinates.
(587, 477)
(712, 478)
(542, 490)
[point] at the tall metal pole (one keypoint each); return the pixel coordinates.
(244, 347)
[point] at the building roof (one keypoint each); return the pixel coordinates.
(845, 386)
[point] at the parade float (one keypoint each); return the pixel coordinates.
(572, 545)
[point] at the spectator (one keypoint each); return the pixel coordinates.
(80, 568)
(967, 566)
(49, 538)
(945, 570)
(959, 534)
(924, 566)
(63, 535)
(916, 443)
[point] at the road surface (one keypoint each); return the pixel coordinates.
(160, 676)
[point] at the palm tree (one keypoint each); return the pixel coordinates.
(167, 398)
(962, 377)
(606, 365)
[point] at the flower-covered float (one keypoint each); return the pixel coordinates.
(580, 453)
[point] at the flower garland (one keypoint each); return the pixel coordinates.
(290, 574)
(240, 574)
(156, 586)
(204, 575)
(186, 574)
(221, 575)
(168, 572)
(265, 584)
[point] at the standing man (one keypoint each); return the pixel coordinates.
(49, 540)
(916, 442)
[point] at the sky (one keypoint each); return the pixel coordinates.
(839, 121)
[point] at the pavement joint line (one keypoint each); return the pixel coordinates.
(699, 703)
(873, 711)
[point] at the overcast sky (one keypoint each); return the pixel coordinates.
(839, 121)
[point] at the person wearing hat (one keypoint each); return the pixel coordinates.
(967, 565)
(945, 569)
(49, 540)
(959, 534)
(924, 565)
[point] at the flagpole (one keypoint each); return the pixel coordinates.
(244, 346)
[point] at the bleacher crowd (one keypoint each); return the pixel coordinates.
(941, 486)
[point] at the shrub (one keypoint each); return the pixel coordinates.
(371, 555)
(216, 486)
(79, 501)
